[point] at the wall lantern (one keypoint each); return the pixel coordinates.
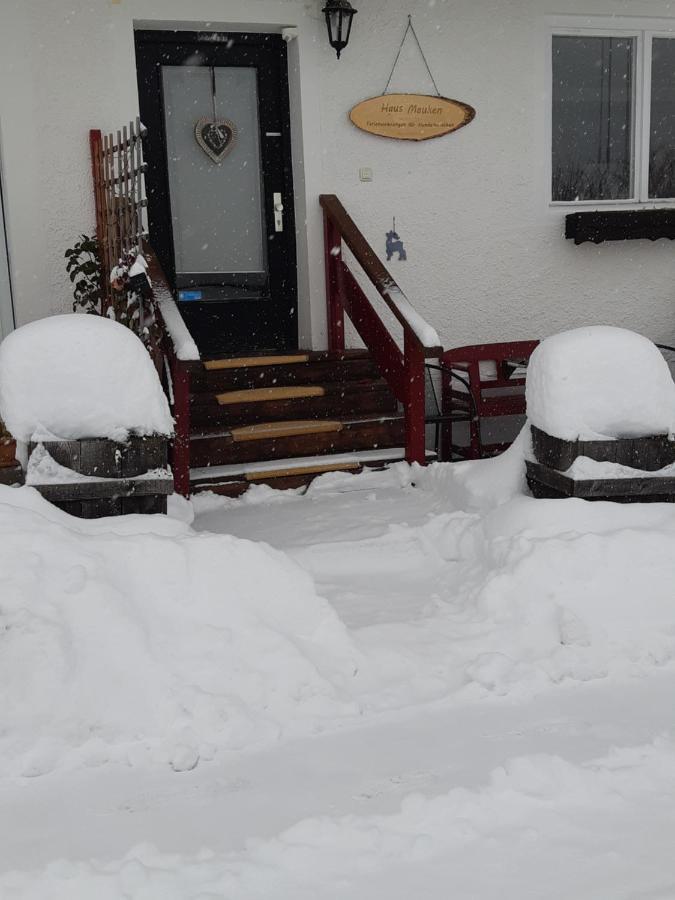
(339, 15)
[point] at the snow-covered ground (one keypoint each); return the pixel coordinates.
(413, 683)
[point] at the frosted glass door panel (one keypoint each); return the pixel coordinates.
(216, 208)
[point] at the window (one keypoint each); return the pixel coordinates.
(613, 117)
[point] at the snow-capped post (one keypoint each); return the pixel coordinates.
(335, 310)
(415, 407)
(601, 411)
(81, 395)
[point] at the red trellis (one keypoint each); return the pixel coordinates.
(117, 169)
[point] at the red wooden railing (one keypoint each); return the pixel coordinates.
(176, 383)
(403, 370)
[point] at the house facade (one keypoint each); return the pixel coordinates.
(573, 112)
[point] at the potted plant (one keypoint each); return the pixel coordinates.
(7, 448)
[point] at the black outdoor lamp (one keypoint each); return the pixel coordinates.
(339, 15)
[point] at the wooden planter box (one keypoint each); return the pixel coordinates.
(646, 453)
(10, 470)
(554, 456)
(7, 453)
(11, 474)
(120, 467)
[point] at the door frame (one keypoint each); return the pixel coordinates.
(7, 318)
(155, 155)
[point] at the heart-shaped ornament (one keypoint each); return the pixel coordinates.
(216, 137)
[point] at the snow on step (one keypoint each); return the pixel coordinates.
(213, 473)
(600, 382)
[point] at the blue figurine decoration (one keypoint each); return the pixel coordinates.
(395, 244)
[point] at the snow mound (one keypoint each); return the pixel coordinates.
(75, 376)
(139, 640)
(600, 382)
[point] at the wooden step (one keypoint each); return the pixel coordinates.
(343, 400)
(259, 395)
(209, 476)
(319, 369)
(244, 362)
(272, 430)
(270, 475)
(366, 433)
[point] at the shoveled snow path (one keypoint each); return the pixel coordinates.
(102, 813)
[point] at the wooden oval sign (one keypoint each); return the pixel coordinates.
(411, 117)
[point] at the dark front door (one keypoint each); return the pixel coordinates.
(219, 183)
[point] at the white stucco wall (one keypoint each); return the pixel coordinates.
(486, 256)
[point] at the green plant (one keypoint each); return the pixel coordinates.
(84, 268)
(129, 297)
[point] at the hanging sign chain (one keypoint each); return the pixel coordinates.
(213, 92)
(410, 27)
(215, 136)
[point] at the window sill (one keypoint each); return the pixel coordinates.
(598, 226)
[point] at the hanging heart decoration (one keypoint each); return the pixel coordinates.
(216, 137)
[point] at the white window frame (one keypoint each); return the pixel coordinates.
(644, 30)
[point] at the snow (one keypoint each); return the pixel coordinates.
(213, 473)
(139, 266)
(225, 661)
(425, 333)
(42, 468)
(524, 825)
(584, 467)
(182, 340)
(600, 382)
(387, 684)
(76, 376)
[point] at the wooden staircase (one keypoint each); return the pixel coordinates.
(284, 419)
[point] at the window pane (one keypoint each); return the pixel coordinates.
(662, 128)
(592, 117)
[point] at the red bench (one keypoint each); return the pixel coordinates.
(478, 382)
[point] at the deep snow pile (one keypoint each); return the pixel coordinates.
(527, 593)
(137, 639)
(141, 640)
(600, 382)
(76, 376)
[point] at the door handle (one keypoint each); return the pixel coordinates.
(278, 212)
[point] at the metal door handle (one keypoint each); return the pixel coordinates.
(278, 213)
